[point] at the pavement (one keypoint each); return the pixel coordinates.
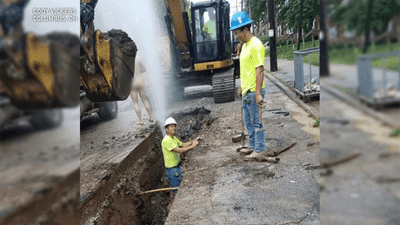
(352, 193)
(344, 78)
(219, 187)
(286, 73)
(35, 161)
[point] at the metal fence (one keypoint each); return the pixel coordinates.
(375, 90)
(300, 77)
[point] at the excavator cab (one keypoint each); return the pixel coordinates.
(211, 36)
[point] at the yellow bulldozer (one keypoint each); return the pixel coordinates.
(107, 65)
(38, 74)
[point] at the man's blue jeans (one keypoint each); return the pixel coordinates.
(251, 120)
(174, 180)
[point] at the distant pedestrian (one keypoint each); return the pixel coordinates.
(252, 85)
(172, 147)
(138, 88)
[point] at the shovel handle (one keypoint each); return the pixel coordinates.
(242, 119)
(259, 116)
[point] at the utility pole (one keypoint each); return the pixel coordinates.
(323, 48)
(241, 5)
(272, 39)
(252, 25)
(300, 34)
(368, 22)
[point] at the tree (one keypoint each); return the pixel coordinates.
(353, 14)
(259, 10)
(187, 4)
(288, 11)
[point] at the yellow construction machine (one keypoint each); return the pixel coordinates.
(38, 74)
(202, 45)
(107, 65)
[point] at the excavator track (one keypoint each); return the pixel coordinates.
(223, 84)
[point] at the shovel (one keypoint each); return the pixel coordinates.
(240, 137)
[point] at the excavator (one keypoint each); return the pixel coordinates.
(39, 75)
(202, 46)
(107, 65)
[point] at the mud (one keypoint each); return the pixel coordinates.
(56, 204)
(128, 46)
(117, 198)
(39, 173)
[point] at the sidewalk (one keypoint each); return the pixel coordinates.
(353, 193)
(219, 187)
(344, 78)
(286, 73)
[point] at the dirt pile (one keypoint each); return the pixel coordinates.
(117, 199)
(127, 45)
(191, 121)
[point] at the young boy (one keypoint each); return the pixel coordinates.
(172, 147)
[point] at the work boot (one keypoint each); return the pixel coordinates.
(246, 151)
(253, 156)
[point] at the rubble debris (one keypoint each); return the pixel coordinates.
(338, 159)
(268, 159)
(391, 93)
(384, 179)
(341, 121)
(285, 113)
(389, 154)
(312, 143)
(324, 172)
(312, 167)
(314, 87)
(271, 153)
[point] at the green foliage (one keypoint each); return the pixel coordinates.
(259, 10)
(314, 59)
(281, 54)
(187, 4)
(354, 14)
(349, 55)
(395, 132)
(263, 38)
(316, 124)
(290, 13)
(283, 82)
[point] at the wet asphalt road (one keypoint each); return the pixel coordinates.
(31, 158)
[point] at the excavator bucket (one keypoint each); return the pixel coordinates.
(51, 76)
(115, 56)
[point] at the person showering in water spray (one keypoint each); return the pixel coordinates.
(138, 89)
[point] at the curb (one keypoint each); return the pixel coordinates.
(290, 94)
(355, 103)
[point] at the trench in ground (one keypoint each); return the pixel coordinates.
(117, 199)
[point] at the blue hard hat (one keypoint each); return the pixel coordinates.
(240, 19)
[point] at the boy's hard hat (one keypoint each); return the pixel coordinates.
(239, 20)
(169, 121)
